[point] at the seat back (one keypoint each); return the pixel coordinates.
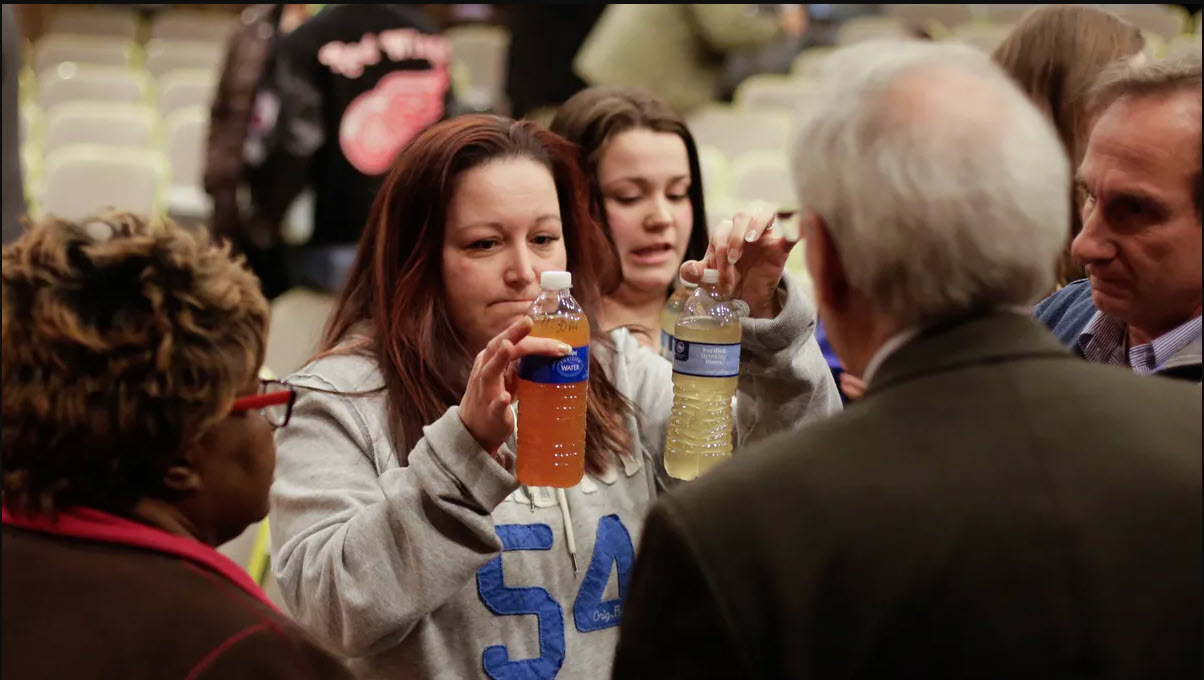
(735, 131)
(295, 328)
(69, 82)
(806, 63)
(183, 88)
(80, 180)
(56, 48)
(867, 27)
(1167, 21)
(985, 35)
(923, 15)
(179, 23)
(107, 123)
(167, 54)
(185, 133)
(763, 176)
(771, 92)
(478, 54)
(115, 22)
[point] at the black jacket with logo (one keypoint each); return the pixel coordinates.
(349, 88)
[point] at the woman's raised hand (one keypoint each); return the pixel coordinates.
(750, 252)
(485, 409)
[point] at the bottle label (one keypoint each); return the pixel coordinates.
(706, 360)
(573, 368)
(667, 345)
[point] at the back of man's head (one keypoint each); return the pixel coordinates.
(943, 189)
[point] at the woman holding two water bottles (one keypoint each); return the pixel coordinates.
(401, 536)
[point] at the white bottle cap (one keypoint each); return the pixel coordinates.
(555, 280)
(710, 276)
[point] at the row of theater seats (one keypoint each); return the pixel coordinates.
(114, 110)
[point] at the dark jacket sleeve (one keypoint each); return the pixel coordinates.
(298, 133)
(268, 651)
(230, 116)
(673, 626)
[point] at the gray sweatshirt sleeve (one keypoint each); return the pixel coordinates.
(784, 380)
(362, 554)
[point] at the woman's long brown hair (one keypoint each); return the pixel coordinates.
(393, 305)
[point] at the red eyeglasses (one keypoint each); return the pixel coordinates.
(274, 402)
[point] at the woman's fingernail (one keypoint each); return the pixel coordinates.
(733, 257)
(750, 236)
(565, 349)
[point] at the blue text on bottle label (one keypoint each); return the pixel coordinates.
(573, 368)
(706, 360)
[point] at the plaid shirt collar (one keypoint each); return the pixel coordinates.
(1105, 340)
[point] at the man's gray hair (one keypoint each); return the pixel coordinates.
(943, 188)
(1180, 71)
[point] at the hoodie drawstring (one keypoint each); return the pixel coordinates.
(569, 539)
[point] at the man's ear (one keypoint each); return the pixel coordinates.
(827, 270)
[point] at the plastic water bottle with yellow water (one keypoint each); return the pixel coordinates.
(706, 365)
(669, 315)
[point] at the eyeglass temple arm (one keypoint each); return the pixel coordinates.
(261, 400)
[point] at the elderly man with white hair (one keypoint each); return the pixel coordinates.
(993, 507)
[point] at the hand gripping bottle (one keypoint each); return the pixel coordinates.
(706, 363)
(551, 391)
(670, 313)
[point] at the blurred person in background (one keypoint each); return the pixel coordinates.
(1054, 53)
(14, 186)
(348, 89)
(1140, 244)
(137, 437)
(245, 68)
(400, 533)
(539, 65)
(677, 52)
(993, 507)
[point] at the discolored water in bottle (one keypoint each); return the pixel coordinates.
(552, 392)
(669, 315)
(706, 364)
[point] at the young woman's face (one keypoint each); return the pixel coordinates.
(503, 230)
(645, 181)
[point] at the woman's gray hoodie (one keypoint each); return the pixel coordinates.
(434, 563)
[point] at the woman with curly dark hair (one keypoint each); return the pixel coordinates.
(136, 436)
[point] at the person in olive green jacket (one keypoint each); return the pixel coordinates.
(677, 51)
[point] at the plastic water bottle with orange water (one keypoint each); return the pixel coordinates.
(551, 391)
(706, 366)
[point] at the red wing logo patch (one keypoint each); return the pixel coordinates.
(380, 122)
